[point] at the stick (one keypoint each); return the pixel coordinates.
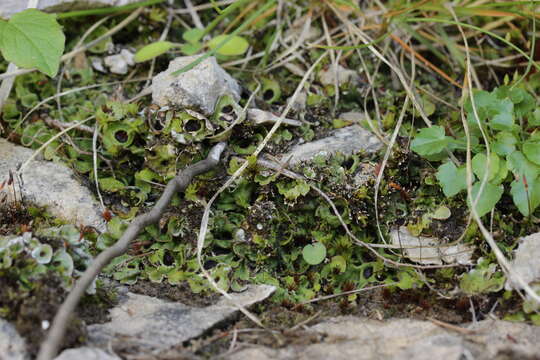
(49, 347)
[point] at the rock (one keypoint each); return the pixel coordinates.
(10, 7)
(525, 263)
(336, 72)
(259, 117)
(51, 184)
(401, 339)
(353, 116)
(118, 64)
(200, 87)
(347, 140)
(12, 345)
(424, 250)
(151, 324)
(86, 353)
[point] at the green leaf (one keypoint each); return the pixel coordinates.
(193, 36)
(531, 149)
(33, 39)
(429, 141)
(480, 163)
(504, 144)
(153, 50)
(338, 262)
(452, 179)
(526, 198)
(483, 279)
(534, 119)
(504, 115)
(236, 45)
(190, 49)
(491, 194)
(441, 213)
(111, 184)
(520, 166)
(293, 189)
(314, 254)
(43, 253)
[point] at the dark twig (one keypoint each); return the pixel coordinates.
(50, 346)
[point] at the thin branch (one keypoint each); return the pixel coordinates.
(50, 346)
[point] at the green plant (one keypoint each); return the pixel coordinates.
(509, 119)
(32, 39)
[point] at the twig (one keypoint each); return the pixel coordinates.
(50, 346)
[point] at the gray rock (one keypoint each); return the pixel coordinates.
(199, 88)
(337, 74)
(119, 63)
(10, 7)
(429, 250)
(259, 117)
(525, 263)
(347, 140)
(51, 184)
(402, 339)
(86, 353)
(12, 345)
(151, 324)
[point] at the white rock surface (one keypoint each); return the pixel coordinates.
(51, 184)
(346, 338)
(259, 117)
(347, 140)
(12, 345)
(151, 324)
(336, 72)
(200, 87)
(526, 263)
(119, 63)
(424, 250)
(10, 7)
(86, 353)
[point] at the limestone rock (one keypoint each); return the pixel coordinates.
(12, 345)
(52, 185)
(86, 353)
(347, 140)
(424, 250)
(199, 88)
(151, 324)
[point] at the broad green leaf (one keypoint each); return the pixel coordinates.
(491, 194)
(193, 36)
(524, 102)
(429, 141)
(314, 254)
(534, 119)
(500, 176)
(153, 50)
(505, 143)
(441, 213)
(111, 184)
(236, 45)
(452, 179)
(503, 119)
(526, 198)
(531, 149)
(519, 165)
(480, 164)
(482, 279)
(190, 49)
(33, 39)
